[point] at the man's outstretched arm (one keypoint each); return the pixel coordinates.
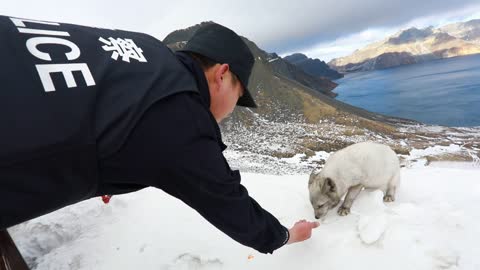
(183, 156)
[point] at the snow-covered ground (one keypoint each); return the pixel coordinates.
(434, 224)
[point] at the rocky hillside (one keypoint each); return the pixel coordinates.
(177, 40)
(298, 74)
(294, 120)
(314, 67)
(414, 46)
(285, 93)
(469, 31)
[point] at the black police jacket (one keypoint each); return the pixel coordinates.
(88, 111)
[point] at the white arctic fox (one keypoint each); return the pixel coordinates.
(361, 165)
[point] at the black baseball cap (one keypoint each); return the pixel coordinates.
(222, 45)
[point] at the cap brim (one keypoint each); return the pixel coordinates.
(246, 100)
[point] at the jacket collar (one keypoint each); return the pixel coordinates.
(199, 75)
(202, 85)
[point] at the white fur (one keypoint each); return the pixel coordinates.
(362, 165)
(372, 165)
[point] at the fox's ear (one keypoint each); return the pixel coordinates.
(310, 180)
(330, 185)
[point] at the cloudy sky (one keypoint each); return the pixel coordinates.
(319, 28)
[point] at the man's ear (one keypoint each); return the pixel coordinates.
(221, 72)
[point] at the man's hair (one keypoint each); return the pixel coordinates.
(206, 63)
(203, 61)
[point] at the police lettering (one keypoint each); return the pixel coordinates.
(53, 37)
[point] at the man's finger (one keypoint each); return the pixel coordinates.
(315, 224)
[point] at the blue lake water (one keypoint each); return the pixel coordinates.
(444, 92)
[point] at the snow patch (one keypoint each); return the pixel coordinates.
(433, 224)
(371, 228)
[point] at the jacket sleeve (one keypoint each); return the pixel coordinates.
(184, 158)
(204, 181)
(199, 175)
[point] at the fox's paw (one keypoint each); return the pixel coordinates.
(388, 198)
(343, 211)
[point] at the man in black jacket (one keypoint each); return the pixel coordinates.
(89, 111)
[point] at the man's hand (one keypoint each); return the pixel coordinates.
(302, 230)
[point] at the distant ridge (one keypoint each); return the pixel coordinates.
(284, 92)
(412, 46)
(314, 67)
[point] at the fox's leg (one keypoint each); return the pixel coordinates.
(392, 188)
(349, 198)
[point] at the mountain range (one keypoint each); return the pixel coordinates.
(283, 91)
(414, 46)
(314, 67)
(297, 115)
(292, 107)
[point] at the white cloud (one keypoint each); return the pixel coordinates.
(437, 20)
(345, 45)
(275, 25)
